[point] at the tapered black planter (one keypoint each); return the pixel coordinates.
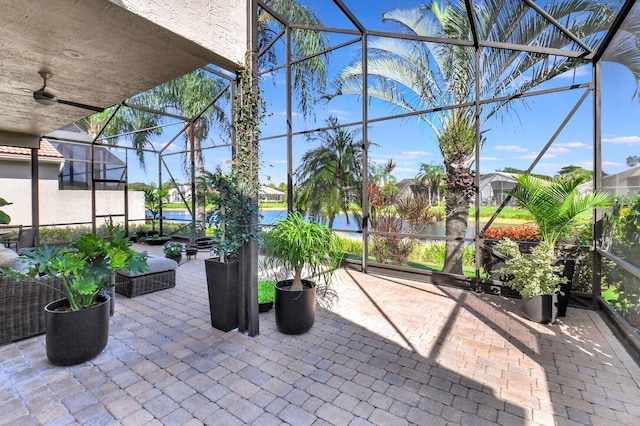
(540, 309)
(223, 285)
(73, 337)
(295, 310)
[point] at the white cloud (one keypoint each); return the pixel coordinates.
(577, 72)
(573, 145)
(589, 164)
(405, 170)
(534, 155)
(629, 140)
(558, 150)
(293, 114)
(378, 160)
(490, 159)
(413, 154)
(510, 148)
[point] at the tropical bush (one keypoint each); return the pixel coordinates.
(622, 238)
(266, 291)
(527, 232)
(533, 274)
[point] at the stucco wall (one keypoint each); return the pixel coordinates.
(20, 168)
(216, 25)
(58, 207)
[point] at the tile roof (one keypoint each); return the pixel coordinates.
(45, 150)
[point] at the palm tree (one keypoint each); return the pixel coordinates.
(416, 76)
(330, 176)
(136, 125)
(190, 96)
(633, 160)
(308, 76)
(556, 205)
(431, 177)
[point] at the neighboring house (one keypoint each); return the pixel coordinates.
(64, 171)
(494, 186)
(270, 195)
(174, 196)
(623, 183)
(405, 188)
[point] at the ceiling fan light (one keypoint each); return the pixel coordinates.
(45, 98)
(72, 54)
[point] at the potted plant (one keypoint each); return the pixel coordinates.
(153, 204)
(534, 276)
(557, 208)
(266, 295)
(233, 227)
(297, 246)
(173, 251)
(77, 326)
(4, 218)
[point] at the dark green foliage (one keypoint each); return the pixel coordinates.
(85, 267)
(233, 215)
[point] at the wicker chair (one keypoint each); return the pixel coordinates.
(22, 307)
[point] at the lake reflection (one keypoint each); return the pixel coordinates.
(269, 216)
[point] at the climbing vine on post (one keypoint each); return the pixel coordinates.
(248, 111)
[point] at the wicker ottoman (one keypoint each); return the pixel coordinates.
(161, 275)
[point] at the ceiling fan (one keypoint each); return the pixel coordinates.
(47, 98)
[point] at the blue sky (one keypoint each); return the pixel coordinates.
(512, 141)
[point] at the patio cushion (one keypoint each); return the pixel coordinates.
(10, 259)
(161, 275)
(156, 264)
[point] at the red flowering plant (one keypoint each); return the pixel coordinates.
(528, 232)
(527, 235)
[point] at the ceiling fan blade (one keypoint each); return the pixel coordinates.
(79, 105)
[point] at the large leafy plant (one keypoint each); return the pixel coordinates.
(4, 218)
(530, 274)
(300, 246)
(85, 267)
(556, 205)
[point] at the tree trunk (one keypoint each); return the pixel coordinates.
(460, 190)
(198, 160)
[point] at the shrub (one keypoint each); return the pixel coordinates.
(266, 291)
(526, 232)
(532, 274)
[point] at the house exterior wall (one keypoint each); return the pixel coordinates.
(57, 207)
(18, 168)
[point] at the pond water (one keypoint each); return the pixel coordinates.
(270, 216)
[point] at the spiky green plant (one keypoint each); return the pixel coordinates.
(297, 245)
(556, 205)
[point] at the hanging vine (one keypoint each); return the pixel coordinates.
(248, 111)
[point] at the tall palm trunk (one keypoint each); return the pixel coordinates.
(199, 173)
(457, 200)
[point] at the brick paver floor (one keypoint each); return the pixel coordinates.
(388, 352)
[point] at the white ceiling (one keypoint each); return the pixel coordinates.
(123, 55)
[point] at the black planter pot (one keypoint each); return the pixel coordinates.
(565, 289)
(265, 307)
(73, 337)
(222, 282)
(541, 309)
(295, 310)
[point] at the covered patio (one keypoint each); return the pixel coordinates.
(389, 352)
